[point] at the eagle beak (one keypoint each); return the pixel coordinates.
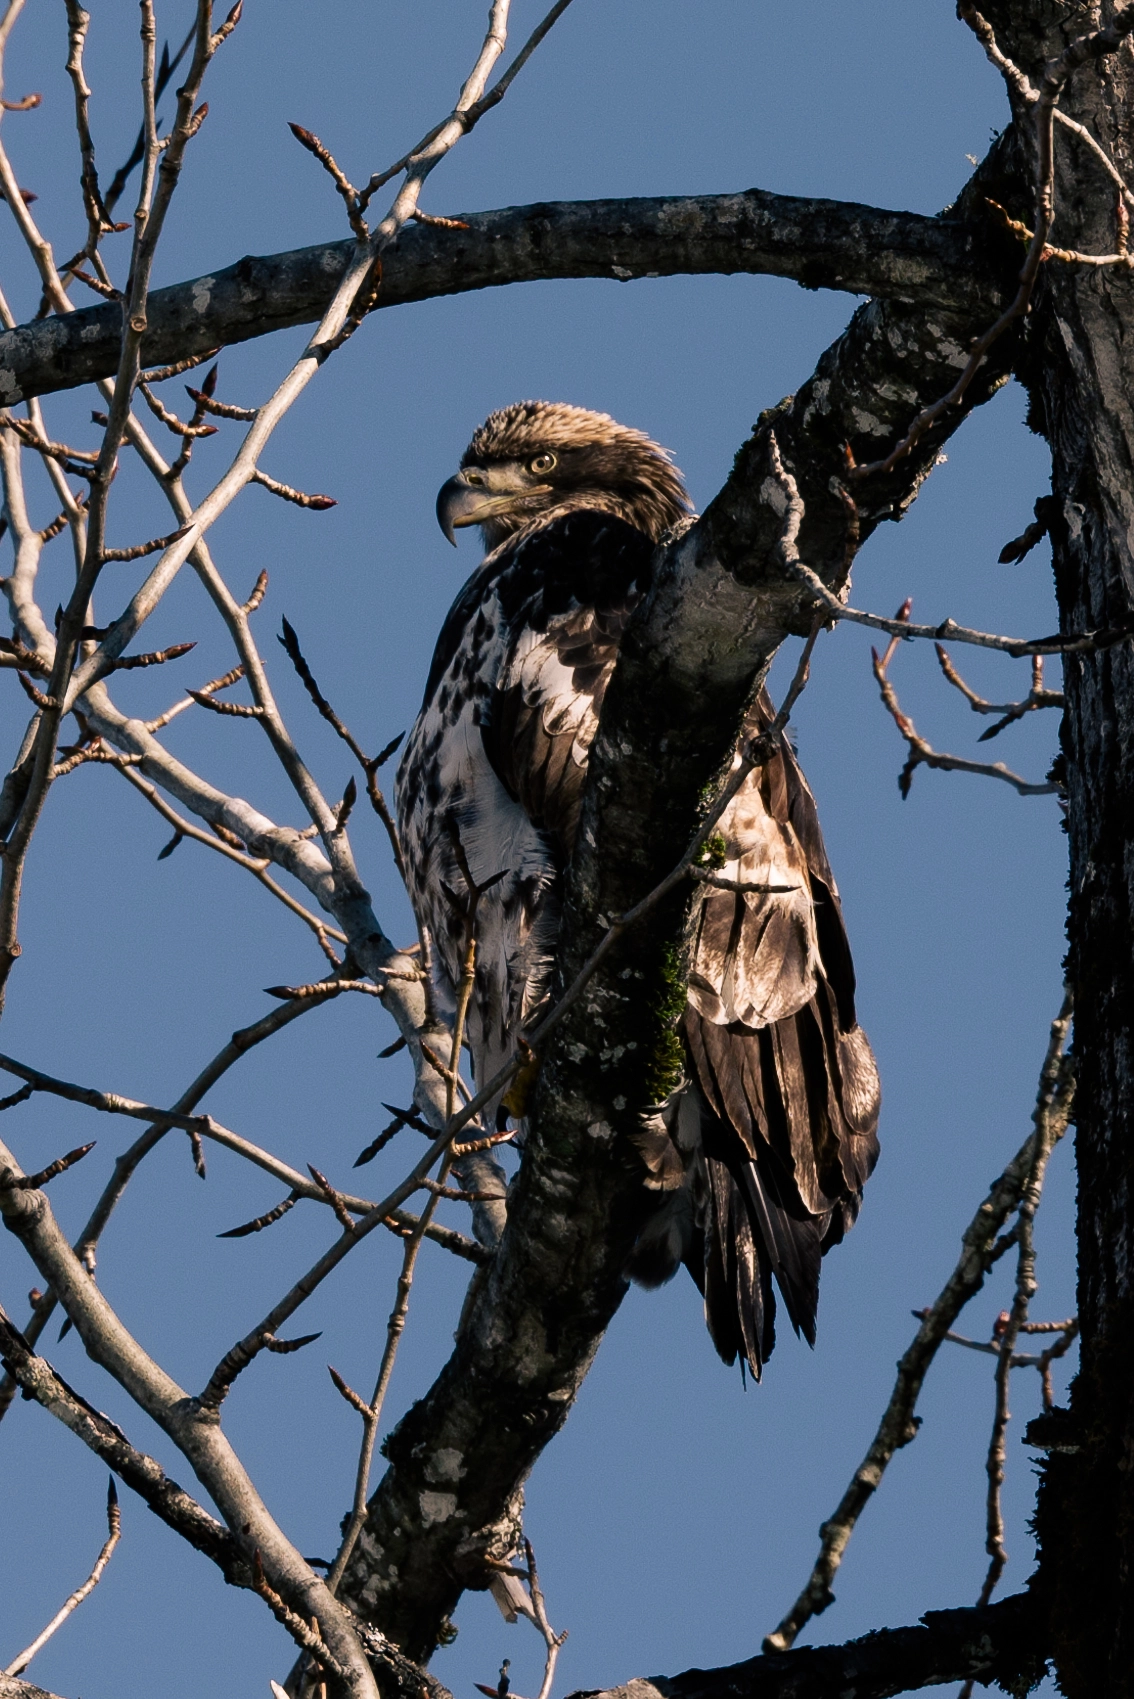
(458, 504)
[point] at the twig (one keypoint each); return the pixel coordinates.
(114, 1534)
(472, 104)
(370, 764)
(164, 76)
(185, 829)
(1093, 46)
(489, 1142)
(1019, 84)
(402, 1118)
(1020, 1359)
(234, 1362)
(1037, 696)
(220, 409)
(164, 1497)
(1062, 1345)
(922, 754)
(155, 195)
(287, 493)
(552, 1641)
(1047, 1132)
(342, 183)
(214, 684)
(247, 1349)
(303, 1635)
(206, 1127)
(239, 1044)
(237, 710)
(454, 1195)
(34, 1182)
(170, 420)
(980, 1250)
(1081, 642)
(334, 1198)
(395, 1327)
(161, 374)
(268, 1219)
(30, 1217)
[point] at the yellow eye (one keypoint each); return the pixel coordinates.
(542, 463)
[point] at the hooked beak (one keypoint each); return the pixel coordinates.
(459, 504)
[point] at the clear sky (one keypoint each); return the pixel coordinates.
(675, 1518)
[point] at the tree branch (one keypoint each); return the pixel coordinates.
(193, 1429)
(1005, 1642)
(723, 602)
(165, 1498)
(11, 1687)
(825, 244)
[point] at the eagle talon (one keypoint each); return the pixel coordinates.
(519, 1094)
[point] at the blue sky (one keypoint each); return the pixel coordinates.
(675, 1518)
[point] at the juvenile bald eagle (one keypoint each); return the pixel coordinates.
(759, 1160)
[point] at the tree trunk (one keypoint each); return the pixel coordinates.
(1079, 368)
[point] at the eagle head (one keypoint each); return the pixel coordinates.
(533, 461)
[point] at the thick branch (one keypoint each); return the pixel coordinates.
(1004, 1641)
(723, 604)
(11, 1687)
(821, 244)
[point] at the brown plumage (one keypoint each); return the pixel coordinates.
(760, 1158)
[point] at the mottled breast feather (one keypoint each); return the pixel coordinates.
(498, 754)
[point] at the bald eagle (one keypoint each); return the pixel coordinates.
(759, 1159)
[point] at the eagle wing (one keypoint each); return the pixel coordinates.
(786, 1082)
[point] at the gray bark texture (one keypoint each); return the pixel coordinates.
(1078, 363)
(822, 244)
(11, 1687)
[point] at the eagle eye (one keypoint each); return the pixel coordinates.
(542, 463)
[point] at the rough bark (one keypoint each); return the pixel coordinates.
(11, 1687)
(819, 243)
(999, 1642)
(723, 604)
(1079, 366)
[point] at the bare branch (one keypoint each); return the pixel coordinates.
(861, 249)
(1037, 696)
(319, 503)
(114, 1534)
(1079, 52)
(29, 1216)
(243, 1040)
(922, 754)
(33, 1182)
(165, 1498)
(1058, 644)
(1007, 1642)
